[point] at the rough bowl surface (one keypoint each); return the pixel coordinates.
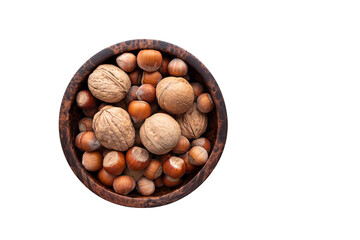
(70, 114)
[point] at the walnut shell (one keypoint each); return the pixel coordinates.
(109, 83)
(160, 133)
(193, 123)
(113, 128)
(175, 95)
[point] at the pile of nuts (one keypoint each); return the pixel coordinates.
(143, 122)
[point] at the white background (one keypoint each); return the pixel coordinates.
(289, 73)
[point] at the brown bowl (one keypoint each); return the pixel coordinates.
(70, 115)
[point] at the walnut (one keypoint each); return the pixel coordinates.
(109, 83)
(175, 95)
(160, 133)
(193, 123)
(113, 128)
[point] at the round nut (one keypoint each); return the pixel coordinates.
(137, 158)
(153, 170)
(139, 110)
(136, 175)
(152, 78)
(92, 161)
(135, 77)
(86, 141)
(182, 146)
(145, 187)
(205, 103)
(131, 96)
(85, 124)
(177, 67)
(114, 163)
(109, 83)
(164, 66)
(197, 156)
(175, 95)
(124, 184)
(84, 99)
(171, 182)
(202, 142)
(193, 123)
(159, 182)
(127, 62)
(189, 167)
(146, 92)
(114, 129)
(160, 133)
(174, 167)
(149, 60)
(106, 178)
(197, 88)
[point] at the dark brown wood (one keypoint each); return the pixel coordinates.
(70, 115)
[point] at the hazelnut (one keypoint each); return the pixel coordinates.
(182, 146)
(177, 67)
(160, 133)
(139, 110)
(202, 142)
(164, 157)
(152, 78)
(171, 182)
(189, 167)
(86, 141)
(146, 92)
(153, 170)
(135, 77)
(120, 104)
(114, 163)
(105, 178)
(145, 186)
(197, 88)
(114, 129)
(131, 96)
(197, 156)
(109, 83)
(105, 151)
(90, 112)
(127, 62)
(174, 167)
(84, 99)
(137, 158)
(92, 161)
(193, 123)
(204, 103)
(136, 175)
(175, 95)
(124, 184)
(159, 182)
(85, 124)
(164, 66)
(149, 60)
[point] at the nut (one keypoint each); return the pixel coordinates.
(160, 133)
(205, 103)
(84, 99)
(149, 60)
(109, 83)
(135, 77)
(197, 156)
(146, 92)
(114, 163)
(138, 139)
(177, 67)
(189, 167)
(197, 88)
(139, 110)
(202, 142)
(193, 123)
(85, 124)
(92, 161)
(137, 158)
(171, 182)
(131, 96)
(89, 112)
(136, 175)
(159, 182)
(127, 62)
(152, 78)
(164, 66)
(105, 178)
(145, 186)
(124, 184)
(182, 146)
(174, 167)
(86, 141)
(175, 95)
(164, 157)
(113, 128)
(153, 170)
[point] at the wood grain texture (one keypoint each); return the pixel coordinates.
(70, 114)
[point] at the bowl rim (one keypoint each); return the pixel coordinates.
(69, 99)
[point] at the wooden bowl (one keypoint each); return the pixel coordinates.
(70, 115)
